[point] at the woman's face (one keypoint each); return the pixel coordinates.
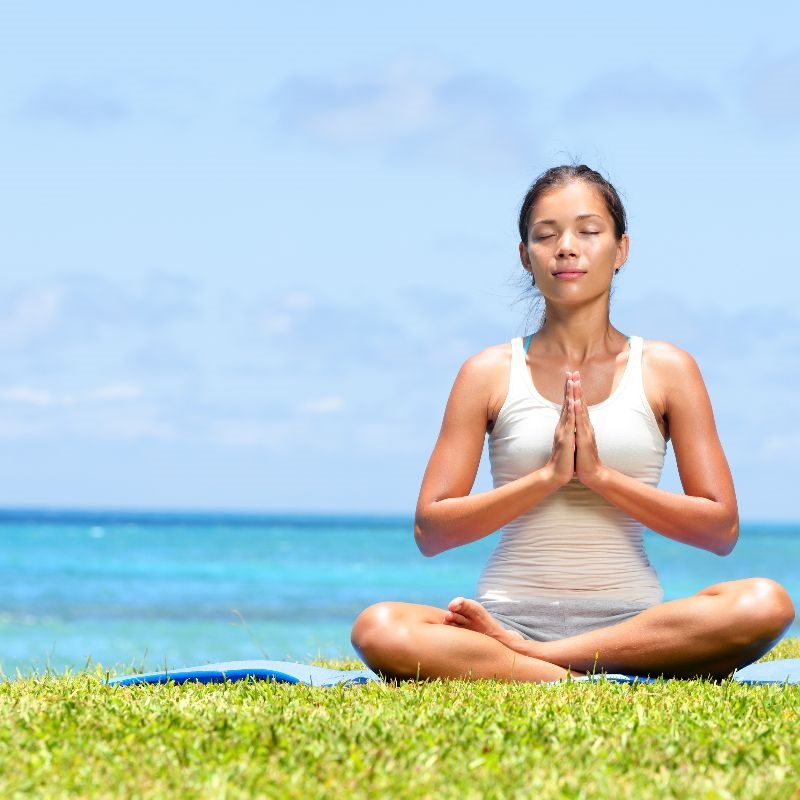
(572, 251)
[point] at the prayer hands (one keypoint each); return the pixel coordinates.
(574, 446)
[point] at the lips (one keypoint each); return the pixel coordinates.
(568, 274)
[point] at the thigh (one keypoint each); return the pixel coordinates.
(405, 640)
(718, 629)
(391, 613)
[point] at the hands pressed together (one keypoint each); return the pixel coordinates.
(574, 446)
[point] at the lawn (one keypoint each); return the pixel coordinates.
(73, 736)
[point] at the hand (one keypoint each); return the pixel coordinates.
(587, 459)
(562, 458)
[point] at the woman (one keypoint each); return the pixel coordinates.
(578, 416)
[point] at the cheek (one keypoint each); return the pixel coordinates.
(539, 254)
(605, 251)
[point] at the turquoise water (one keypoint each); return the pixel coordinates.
(151, 590)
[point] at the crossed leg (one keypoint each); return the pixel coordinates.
(708, 634)
(404, 640)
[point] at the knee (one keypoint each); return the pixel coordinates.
(367, 627)
(766, 608)
(375, 633)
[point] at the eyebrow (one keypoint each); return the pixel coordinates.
(553, 222)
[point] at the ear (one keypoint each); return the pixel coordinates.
(524, 257)
(623, 246)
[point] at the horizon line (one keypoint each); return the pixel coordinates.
(176, 515)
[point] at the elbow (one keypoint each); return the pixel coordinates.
(727, 539)
(425, 542)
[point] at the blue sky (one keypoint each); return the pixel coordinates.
(245, 249)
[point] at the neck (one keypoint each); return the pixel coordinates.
(578, 332)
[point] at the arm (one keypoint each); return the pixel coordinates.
(447, 515)
(706, 516)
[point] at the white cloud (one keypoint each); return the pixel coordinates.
(29, 313)
(81, 106)
(299, 301)
(276, 324)
(116, 391)
(330, 404)
(411, 111)
(82, 310)
(281, 316)
(357, 109)
(30, 396)
(25, 430)
(772, 90)
(759, 335)
(248, 433)
(79, 420)
(26, 395)
(783, 446)
(641, 93)
(141, 424)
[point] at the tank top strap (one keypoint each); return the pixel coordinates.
(633, 381)
(518, 373)
(526, 342)
(634, 367)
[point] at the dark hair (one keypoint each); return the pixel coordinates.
(559, 176)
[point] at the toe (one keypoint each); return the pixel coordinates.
(456, 604)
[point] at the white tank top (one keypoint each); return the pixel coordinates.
(574, 543)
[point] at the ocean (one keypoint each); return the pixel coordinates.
(130, 590)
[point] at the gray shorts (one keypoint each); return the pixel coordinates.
(545, 619)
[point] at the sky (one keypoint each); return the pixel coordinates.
(244, 249)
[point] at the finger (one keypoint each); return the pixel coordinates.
(583, 425)
(571, 420)
(577, 386)
(567, 390)
(580, 420)
(562, 419)
(583, 419)
(564, 439)
(585, 442)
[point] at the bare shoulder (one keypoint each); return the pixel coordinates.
(665, 360)
(488, 364)
(482, 382)
(672, 382)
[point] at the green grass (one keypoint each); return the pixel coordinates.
(71, 735)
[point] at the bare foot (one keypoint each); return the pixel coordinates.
(464, 613)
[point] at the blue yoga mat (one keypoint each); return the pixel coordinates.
(280, 671)
(780, 672)
(786, 670)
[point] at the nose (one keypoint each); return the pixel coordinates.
(567, 245)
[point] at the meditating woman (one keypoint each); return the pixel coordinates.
(578, 416)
